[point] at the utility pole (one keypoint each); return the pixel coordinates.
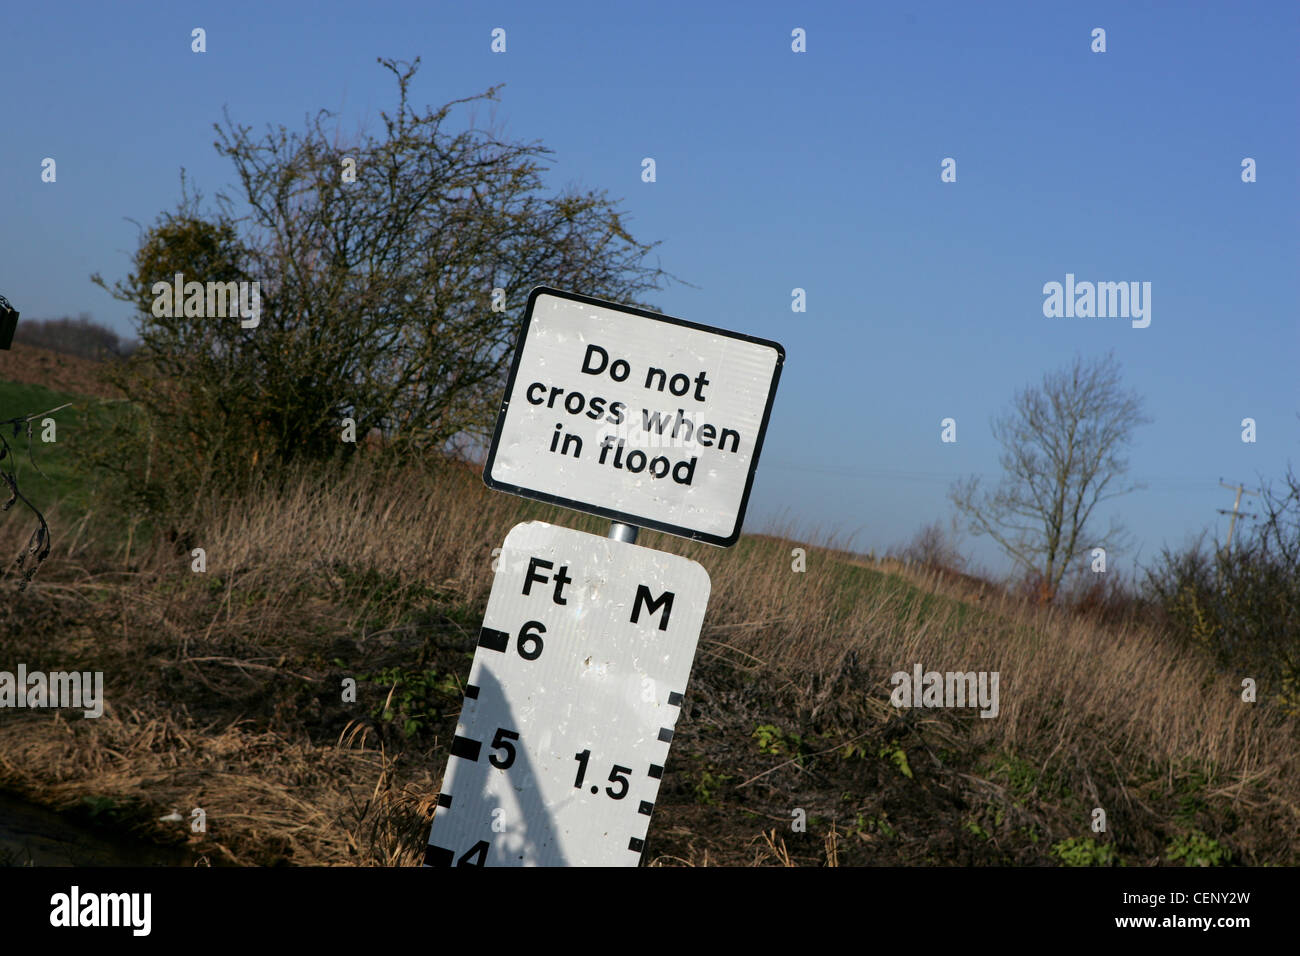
(1240, 490)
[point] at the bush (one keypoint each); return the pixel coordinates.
(80, 337)
(1108, 598)
(377, 295)
(1242, 606)
(934, 546)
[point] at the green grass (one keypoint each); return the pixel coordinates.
(856, 585)
(62, 482)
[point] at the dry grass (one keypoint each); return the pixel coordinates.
(33, 365)
(1111, 717)
(283, 797)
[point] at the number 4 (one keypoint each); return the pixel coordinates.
(475, 855)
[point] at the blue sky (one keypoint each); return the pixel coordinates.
(777, 170)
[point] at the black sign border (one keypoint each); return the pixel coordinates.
(638, 521)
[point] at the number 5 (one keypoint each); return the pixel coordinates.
(502, 742)
(614, 777)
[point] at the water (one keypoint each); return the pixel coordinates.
(33, 836)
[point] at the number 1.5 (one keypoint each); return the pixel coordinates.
(618, 775)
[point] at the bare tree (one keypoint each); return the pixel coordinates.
(1061, 445)
(935, 546)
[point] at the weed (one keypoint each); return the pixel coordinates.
(415, 699)
(878, 824)
(898, 757)
(976, 829)
(772, 740)
(101, 809)
(1196, 849)
(1190, 789)
(707, 786)
(1021, 775)
(855, 750)
(1085, 851)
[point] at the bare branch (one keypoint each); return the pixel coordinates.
(1060, 455)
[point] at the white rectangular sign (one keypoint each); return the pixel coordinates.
(638, 417)
(582, 661)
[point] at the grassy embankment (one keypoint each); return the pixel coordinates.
(224, 692)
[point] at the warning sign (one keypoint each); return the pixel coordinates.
(577, 683)
(641, 418)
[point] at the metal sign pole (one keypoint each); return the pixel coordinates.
(622, 532)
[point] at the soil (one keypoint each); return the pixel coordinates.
(30, 365)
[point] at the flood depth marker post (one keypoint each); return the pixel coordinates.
(587, 642)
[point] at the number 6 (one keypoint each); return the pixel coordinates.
(526, 638)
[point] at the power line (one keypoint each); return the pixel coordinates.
(1170, 483)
